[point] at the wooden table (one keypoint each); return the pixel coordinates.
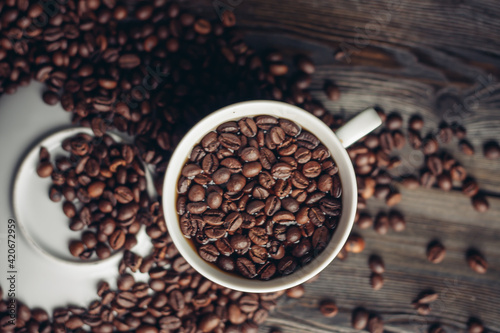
(414, 57)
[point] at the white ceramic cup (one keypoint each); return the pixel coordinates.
(336, 143)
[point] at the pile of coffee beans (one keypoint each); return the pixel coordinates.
(106, 181)
(172, 300)
(259, 196)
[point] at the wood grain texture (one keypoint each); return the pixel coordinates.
(426, 57)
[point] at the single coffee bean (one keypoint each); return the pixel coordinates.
(328, 308)
(394, 121)
(117, 239)
(376, 264)
(435, 252)
(376, 281)
(44, 169)
(355, 244)
(397, 221)
(76, 248)
(246, 267)
(332, 91)
(209, 252)
(480, 203)
(258, 254)
(375, 324)
(247, 127)
(251, 169)
(434, 164)
(474, 325)
(444, 181)
(458, 173)
(226, 263)
(359, 318)
(416, 123)
(55, 194)
(250, 154)
(477, 262)
(296, 292)
(491, 150)
(470, 187)
(466, 147)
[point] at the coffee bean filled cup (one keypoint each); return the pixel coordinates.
(261, 196)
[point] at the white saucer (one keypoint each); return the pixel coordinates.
(42, 221)
(46, 275)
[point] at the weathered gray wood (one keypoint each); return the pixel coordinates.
(425, 57)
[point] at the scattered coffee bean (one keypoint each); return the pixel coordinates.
(376, 281)
(476, 261)
(332, 91)
(436, 252)
(475, 325)
(359, 318)
(355, 244)
(296, 292)
(466, 147)
(491, 150)
(328, 308)
(376, 264)
(375, 324)
(480, 203)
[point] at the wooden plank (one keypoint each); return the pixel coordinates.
(427, 54)
(420, 57)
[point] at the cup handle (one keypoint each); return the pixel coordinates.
(358, 127)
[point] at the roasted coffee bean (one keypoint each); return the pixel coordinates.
(491, 150)
(209, 252)
(430, 146)
(466, 147)
(397, 221)
(76, 248)
(375, 324)
(332, 91)
(427, 179)
(476, 261)
(444, 181)
(296, 292)
(480, 203)
(359, 318)
(247, 127)
(251, 169)
(246, 267)
(458, 173)
(376, 281)
(376, 264)
(287, 265)
(470, 187)
(44, 169)
(416, 123)
(474, 325)
(328, 308)
(355, 244)
(226, 263)
(221, 176)
(435, 252)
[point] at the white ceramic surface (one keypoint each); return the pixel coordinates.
(42, 221)
(42, 280)
(362, 126)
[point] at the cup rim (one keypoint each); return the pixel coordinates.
(252, 109)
